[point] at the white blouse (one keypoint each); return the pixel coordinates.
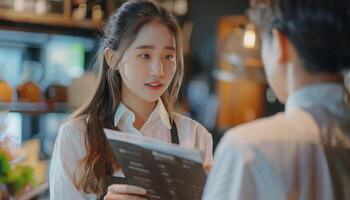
(70, 145)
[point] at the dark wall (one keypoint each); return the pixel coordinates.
(204, 15)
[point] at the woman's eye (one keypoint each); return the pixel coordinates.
(144, 55)
(169, 57)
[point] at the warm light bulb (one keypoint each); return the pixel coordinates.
(249, 38)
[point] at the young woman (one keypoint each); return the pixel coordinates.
(140, 76)
(305, 51)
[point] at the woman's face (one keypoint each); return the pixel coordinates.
(149, 64)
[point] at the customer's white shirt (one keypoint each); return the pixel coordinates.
(70, 147)
(279, 157)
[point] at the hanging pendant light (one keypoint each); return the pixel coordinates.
(240, 53)
(249, 38)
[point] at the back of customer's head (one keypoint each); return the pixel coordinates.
(319, 30)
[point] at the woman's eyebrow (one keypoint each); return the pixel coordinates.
(145, 47)
(170, 48)
(152, 47)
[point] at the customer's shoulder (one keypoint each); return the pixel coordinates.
(295, 125)
(262, 125)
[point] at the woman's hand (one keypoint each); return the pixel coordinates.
(125, 192)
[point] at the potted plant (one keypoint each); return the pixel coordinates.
(13, 179)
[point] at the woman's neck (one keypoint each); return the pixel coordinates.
(142, 109)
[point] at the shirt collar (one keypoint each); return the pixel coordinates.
(162, 113)
(321, 94)
(124, 113)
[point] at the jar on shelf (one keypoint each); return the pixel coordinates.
(5, 92)
(56, 93)
(29, 89)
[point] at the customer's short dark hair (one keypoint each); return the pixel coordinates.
(318, 29)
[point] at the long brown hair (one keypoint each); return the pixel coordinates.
(120, 32)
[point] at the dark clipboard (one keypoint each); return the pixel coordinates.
(164, 176)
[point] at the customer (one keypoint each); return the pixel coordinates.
(305, 50)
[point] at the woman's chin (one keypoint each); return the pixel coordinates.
(151, 98)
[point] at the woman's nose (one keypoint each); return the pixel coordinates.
(157, 68)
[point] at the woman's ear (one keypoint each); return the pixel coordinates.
(282, 45)
(111, 58)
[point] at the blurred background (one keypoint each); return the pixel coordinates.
(47, 48)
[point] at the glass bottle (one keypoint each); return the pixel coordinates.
(5, 92)
(29, 90)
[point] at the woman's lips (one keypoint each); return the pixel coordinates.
(154, 85)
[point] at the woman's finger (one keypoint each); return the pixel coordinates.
(126, 189)
(111, 196)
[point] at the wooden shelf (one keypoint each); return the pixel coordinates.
(35, 108)
(49, 19)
